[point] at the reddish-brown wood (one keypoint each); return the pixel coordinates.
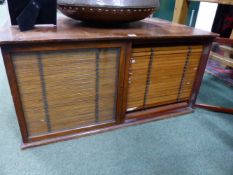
(35, 47)
(156, 117)
(215, 108)
(126, 80)
(15, 93)
(223, 40)
(69, 132)
(120, 96)
(200, 74)
(71, 30)
(70, 34)
(155, 111)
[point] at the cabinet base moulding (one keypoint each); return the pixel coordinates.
(153, 117)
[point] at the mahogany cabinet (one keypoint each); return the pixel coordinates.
(77, 79)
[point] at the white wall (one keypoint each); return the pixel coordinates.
(206, 14)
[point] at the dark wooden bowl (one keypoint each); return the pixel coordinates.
(110, 12)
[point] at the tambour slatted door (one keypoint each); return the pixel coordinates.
(29, 82)
(138, 77)
(68, 89)
(191, 68)
(161, 75)
(166, 74)
(106, 85)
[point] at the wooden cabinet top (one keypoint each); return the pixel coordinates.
(71, 30)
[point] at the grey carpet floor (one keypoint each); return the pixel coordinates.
(214, 92)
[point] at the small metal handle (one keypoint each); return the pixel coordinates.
(133, 60)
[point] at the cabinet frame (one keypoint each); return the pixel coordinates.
(123, 119)
(29, 141)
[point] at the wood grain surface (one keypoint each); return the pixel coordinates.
(67, 89)
(71, 30)
(162, 75)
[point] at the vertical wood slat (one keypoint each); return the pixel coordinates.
(184, 74)
(200, 73)
(97, 86)
(171, 75)
(191, 72)
(43, 88)
(108, 97)
(138, 78)
(165, 61)
(31, 96)
(148, 81)
(58, 84)
(70, 111)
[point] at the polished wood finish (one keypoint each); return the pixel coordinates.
(15, 93)
(150, 112)
(71, 30)
(215, 108)
(66, 95)
(155, 117)
(226, 41)
(125, 90)
(152, 65)
(162, 75)
(200, 74)
(72, 105)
